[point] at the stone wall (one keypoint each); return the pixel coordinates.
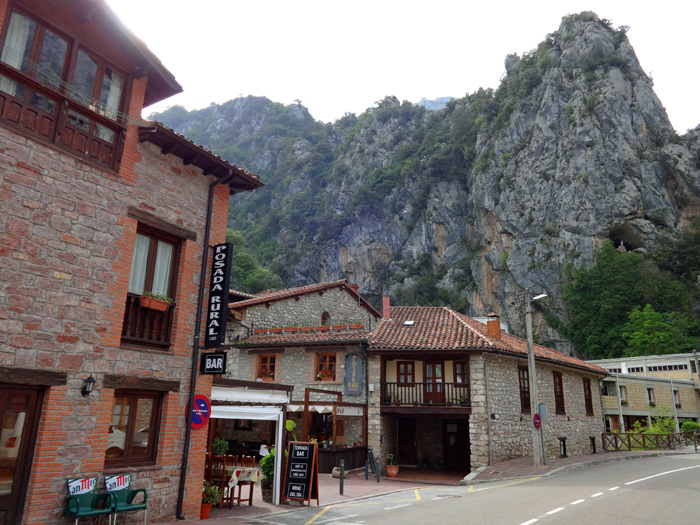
(510, 429)
(306, 310)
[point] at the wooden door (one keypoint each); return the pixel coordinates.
(457, 445)
(406, 441)
(434, 382)
(19, 414)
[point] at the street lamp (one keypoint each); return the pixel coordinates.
(537, 449)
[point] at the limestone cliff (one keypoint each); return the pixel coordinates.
(472, 204)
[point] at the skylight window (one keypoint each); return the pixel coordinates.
(409, 323)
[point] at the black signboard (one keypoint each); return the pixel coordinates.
(301, 474)
(213, 363)
(353, 374)
(215, 334)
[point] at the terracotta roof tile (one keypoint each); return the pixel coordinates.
(440, 328)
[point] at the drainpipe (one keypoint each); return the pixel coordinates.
(195, 344)
(675, 410)
(619, 402)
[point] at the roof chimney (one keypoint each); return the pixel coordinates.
(493, 326)
(386, 308)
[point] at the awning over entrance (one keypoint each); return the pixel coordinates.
(321, 409)
(248, 396)
(262, 405)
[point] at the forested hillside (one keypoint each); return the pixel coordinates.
(532, 186)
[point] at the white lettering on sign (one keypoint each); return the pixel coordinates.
(122, 481)
(296, 490)
(348, 411)
(218, 296)
(81, 486)
(301, 451)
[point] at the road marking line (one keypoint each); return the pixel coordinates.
(318, 515)
(614, 488)
(555, 511)
(397, 507)
(339, 518)
(577, 501)
(417, 495)
(472, 489)
(661, 474)
(529, 522)
(597, 494)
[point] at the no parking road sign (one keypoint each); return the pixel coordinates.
(201, 411)
(537, 421)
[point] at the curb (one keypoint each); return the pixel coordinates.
(575, 466)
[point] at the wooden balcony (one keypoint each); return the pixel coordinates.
(54, 117)
(146, 327)
(426, 394)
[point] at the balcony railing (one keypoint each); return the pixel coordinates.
(445, 394)
(50, 114)
(146, 327)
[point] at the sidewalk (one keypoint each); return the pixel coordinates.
(524, 468)
(356, 487)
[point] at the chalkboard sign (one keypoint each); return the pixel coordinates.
(301, 474)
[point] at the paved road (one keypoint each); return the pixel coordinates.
(658, 490)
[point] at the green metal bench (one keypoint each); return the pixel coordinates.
(124, 498)
(84, 502)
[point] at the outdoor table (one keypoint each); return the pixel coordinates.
(242, 476)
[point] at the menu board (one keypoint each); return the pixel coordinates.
(301, 474)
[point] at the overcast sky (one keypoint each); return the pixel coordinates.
(342, 57)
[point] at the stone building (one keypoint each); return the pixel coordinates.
(313, 339)
(643, 387)
(98, 207)
(449, 392)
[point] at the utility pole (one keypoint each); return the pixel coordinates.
(532, 377)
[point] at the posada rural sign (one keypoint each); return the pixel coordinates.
(215, 334)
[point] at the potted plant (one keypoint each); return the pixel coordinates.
(219, 447)
(623, 403)
(323, 328)
(211, 495)
(464, 400)
(155, 301)
(392, 465)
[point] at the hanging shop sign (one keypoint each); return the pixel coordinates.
(212, 363)
(215, 334)
(353, 375)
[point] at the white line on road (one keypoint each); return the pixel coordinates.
(614, 488)
(529, 522)
(555, 511)
(596, 494)
(577, 501)
(397, 507)
(660, 474)
(341, 518)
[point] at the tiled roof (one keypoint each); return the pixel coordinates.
(277, 295)
(317, 338)
(440, 328)
(240, 296)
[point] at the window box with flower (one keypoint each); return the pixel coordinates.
(326, 375)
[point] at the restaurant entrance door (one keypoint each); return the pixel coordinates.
(19, 414)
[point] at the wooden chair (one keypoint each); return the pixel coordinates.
(230, 462)
(246, 462)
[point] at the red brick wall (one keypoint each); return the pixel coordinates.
(66, 244)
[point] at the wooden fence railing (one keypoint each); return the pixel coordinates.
(630, 441)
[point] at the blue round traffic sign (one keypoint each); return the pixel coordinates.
(201, 411)
(537, 421)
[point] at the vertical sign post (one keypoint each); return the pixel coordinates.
(215, 334)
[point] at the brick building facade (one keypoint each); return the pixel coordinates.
(97, 208)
